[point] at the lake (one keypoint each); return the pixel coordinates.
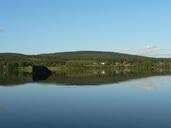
(143, 102)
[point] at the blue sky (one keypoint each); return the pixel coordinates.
(42, 26)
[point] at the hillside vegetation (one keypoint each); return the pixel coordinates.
(77, 59)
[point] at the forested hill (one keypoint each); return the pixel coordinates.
(86, 56)
(76, 55)
(90, 54)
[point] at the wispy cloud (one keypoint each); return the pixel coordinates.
(167, 55)
(126, 50)
(145, 51)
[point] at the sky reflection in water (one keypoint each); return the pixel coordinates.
(138, 103)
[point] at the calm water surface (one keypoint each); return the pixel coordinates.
(141, 103)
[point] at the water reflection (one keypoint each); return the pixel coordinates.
(40, 73)
(123, 105)
(147, 84)
(83, 77)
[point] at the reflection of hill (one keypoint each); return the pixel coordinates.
(97, 79)
(81, 78)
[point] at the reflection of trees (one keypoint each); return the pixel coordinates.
(14, 78)
(83, 77)
(100, 77)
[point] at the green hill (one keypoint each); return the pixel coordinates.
(82, 57)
